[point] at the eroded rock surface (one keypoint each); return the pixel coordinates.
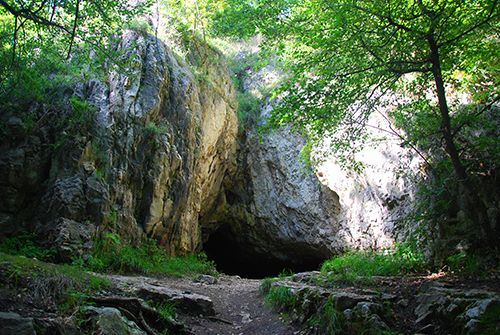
(275, 208)
(141, 154)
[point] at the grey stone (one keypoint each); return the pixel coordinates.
(347, 300)
(206, 279)
(425, 318)
(109, 321)
(305, 276)
(473, 327)
(376, 322)
(13, 323)
(191, 303)
(403, 303)
(368, 308)
(349, 314)
(71, 239)
(428, 329)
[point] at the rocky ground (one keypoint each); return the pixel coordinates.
(227, 305)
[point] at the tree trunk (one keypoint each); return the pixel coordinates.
(477, 210)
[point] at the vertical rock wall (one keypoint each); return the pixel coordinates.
(148, 157)
(278, 209)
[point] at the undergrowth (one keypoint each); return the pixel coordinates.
(24, 245)
(63, 287)
(361, 265)
(468, 264)
(110, 254)
(329, 320)
(282, 297)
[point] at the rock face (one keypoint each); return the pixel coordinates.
(276, 208)
(142, 154)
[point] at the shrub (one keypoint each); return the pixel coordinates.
(249, 107)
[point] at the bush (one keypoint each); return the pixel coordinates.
(249, 107)
(466, 264)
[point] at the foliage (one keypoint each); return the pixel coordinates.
(267, 283)
(44, 44)
(151, 129)
(24, 245)
(466, 264)
(489, 320)
(249, 107)
(355, 264)
(167, 310)
(112, 254)
(409, 63)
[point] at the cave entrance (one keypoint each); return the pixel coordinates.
(233, 258)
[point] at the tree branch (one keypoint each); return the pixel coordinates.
(486, 20)
(30, 15)
(74, 28)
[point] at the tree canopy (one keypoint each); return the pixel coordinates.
(36, 35)
(410, 61)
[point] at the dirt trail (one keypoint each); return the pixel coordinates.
(239, 306)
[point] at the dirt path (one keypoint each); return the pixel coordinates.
(239, 306)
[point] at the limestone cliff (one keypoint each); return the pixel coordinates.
(277, 209)
(146, 158)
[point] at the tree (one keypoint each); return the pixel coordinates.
(37, 32)
(349, 58)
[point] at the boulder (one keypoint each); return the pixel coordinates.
(13, 323)
(71, 239)
(109, 321)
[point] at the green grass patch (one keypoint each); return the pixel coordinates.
(282, 298)
(467, 264)
(110, 254)
(249, 106)
(355, 265)
(489, 320)
(329, 320)
(66, 285)
(24, 245)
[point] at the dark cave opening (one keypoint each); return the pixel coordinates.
(232, 258)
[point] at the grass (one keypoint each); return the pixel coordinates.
(24, 245)
(249, 107)
(363, 264)
(282, 297)
(64, 285)
(467, 264)
(110, 254)
(329, 320)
